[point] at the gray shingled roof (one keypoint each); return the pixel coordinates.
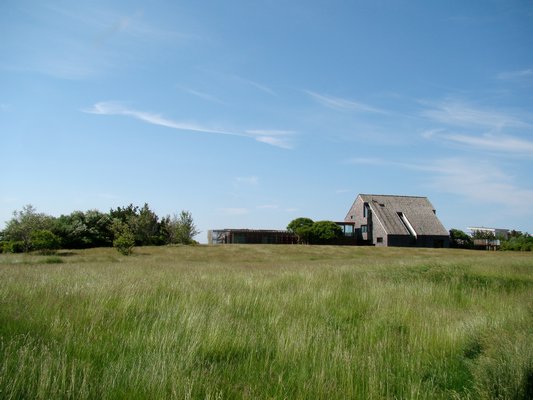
(418, 211)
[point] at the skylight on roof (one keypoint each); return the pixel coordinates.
(407, 224)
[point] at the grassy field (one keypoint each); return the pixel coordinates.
(267, 322)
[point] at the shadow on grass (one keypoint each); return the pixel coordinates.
(66, 253)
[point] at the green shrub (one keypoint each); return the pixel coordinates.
(518, 243)
(325, 232)
(124, 243)
(45, 241)
(13, 246)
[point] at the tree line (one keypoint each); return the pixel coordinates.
(123, 228)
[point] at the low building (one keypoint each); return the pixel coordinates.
(250, 236)
(386, 220)
(486, 244)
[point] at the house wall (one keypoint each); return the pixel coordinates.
(433, 241)
(355, 215)
(401, 240)
(378, 236)
(375, 234)
(420, 241)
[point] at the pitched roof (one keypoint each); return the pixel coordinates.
(418, 211)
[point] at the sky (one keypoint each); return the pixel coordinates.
(252, 113)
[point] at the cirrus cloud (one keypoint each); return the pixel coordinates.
(277, 138)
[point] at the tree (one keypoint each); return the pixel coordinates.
(325, 232)
(180, 229)
(124, 243)
(24, 223)
(460, 239)
(124, 214)
(146, 227)
(45, 241)
(483, 235)
(187, 228)
(99, 228)
(84, 229)
(143, 223)
(301, 227)
(124, 239)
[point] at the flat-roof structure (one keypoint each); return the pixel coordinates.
(250, 236)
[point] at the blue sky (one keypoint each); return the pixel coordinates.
(252, 113)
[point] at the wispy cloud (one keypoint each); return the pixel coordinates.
(118, 25)
(248, 180)
(83, 41)
(277, 138)
(256, 85)
(112, 108)
(516, 75)
(367, 161)
(204, 96)
(459, 113)
(106, 24)
(268, 207)
(494, 143)
(342, 104)
(476, 180)
(480, 181)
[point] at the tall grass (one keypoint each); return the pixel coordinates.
(263, 322)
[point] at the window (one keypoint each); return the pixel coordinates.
(364, 228)
(365, 210)
(379, 240)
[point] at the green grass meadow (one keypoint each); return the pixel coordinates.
(267, 322)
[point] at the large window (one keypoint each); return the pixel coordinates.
(348, 230)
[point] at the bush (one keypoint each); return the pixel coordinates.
(45, 241)
(325, 232)
(460, 240)
(13, 246)
(301, 227)
(518, 243)
(124, 243)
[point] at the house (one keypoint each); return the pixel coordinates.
(385, 220)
